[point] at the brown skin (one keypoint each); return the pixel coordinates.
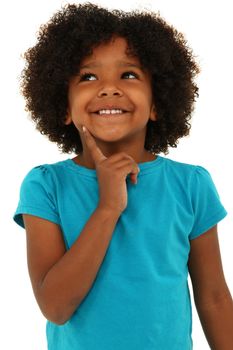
(211, 294)
(58, 278)
(111, 83)
(59, 282)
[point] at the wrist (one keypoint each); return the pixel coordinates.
(108, 212)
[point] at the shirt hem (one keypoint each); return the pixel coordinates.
(18, 218)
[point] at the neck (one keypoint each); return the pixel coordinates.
(86, 161)
(133, 146)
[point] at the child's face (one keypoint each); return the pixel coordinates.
(110, 79)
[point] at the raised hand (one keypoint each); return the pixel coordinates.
(112, 173)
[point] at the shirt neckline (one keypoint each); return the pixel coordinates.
(145, 167)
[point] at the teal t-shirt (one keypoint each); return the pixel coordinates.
(140, 298)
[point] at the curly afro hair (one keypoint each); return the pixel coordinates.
(70, 36)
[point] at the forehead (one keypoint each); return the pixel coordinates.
(115, 50)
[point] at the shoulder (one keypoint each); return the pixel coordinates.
(39, 193)
(182, 166)
(46, 170)
(43, 177)
(185, 169)
(191, 177)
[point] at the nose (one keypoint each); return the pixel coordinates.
(109, 90)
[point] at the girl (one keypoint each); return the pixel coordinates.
(113, 233)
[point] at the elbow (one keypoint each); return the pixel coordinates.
(56, 319)
(213, 299)
(58, 314)
(56, 309)
(55, 316)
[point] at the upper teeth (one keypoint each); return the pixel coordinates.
(110, 111)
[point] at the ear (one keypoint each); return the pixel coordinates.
(68, 119)
(153, 113)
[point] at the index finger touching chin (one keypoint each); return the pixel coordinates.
(95, 151)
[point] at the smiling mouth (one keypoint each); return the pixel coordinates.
(110, 114)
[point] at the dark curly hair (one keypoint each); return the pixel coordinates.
(70, 36)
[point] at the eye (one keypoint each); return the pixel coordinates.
(90, 76)
(131, 73)
(86, 76)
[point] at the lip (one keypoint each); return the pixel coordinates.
(98, 108)
(110, 116)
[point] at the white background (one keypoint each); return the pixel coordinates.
(208, 29)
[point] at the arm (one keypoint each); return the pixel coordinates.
(211, 295)
(60, 278)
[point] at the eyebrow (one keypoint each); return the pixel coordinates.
(120, 64)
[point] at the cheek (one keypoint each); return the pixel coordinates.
(75, 104)
(81, 98)
(143, 94)
(144, 100)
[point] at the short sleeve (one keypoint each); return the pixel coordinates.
(207, 207)
(37, 196)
